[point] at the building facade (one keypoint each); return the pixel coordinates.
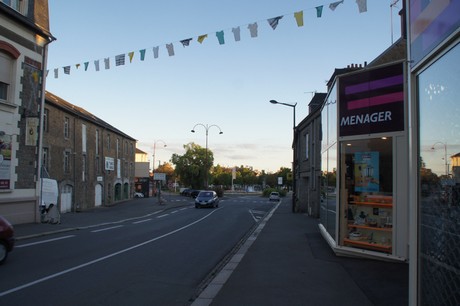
(142, 173)
(24, 36)
(434, 57)
(308, 164)
(92, 161)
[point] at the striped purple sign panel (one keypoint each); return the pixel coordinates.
(372, 101)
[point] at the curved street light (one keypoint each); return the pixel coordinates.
(293, 151)
(207, 127)
(154, 150)
(445, 155)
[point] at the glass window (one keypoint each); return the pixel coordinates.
(6, 69)
(306, 145)
(66, 127)
(66, 162)
(45, 120)
(439, 180)
(367, 194)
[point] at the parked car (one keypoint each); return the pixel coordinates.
(186, 192)
(138, 194)
(274, 196)
(194, 193)
(6, 239)
(207, 198)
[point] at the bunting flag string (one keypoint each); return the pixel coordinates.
(252, 27)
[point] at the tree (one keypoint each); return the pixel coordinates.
(191, 168)
(221, 176)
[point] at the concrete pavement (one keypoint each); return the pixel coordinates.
(284, 262)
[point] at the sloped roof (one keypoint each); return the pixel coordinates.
(81, 112)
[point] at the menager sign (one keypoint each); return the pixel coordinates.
(372, 101)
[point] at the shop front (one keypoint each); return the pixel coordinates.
(365, 165)
(434, 49)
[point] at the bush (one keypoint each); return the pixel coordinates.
(219, 191)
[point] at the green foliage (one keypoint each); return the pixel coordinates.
(191, 167)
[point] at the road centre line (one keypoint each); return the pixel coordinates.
(43, 241)
(162, 216)
(106, 229)
(43, 279)
(142, 221)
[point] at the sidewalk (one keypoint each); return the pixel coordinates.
(291, 264)
(118, 213)
(285, 261)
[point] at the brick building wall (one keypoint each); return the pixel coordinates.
(76, 147)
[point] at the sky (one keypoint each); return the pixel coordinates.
(226, 87)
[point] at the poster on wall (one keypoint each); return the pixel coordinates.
(5, 161)
(367, 172)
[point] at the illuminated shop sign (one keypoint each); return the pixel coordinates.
(372, 101)
(430, 23)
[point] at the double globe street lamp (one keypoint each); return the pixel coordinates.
(206, 127)
(293, 152)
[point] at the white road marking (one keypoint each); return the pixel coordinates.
(41, 280)
(106, 229)
(142, 221)
(162, 216)
(43, 241)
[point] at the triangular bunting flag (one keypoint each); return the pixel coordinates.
(170, 48)
(220, 37)
(236, 33)
(142, 52)
(186, 42)
(119, 60)
(334, 5)
(156, 50)
(56, 73)
(201, 38)
(77, 66)
(86, 65)
(362, 5)
(319, 11)
(299, 18)
(107, 63)
(131, 55)
(96, 65)
(67, 69)
(273, 22)
(253, 29)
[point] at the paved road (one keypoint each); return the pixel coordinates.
(160, 259)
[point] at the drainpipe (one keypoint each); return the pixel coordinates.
(40, 133)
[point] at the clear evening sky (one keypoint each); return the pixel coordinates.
(228, 84)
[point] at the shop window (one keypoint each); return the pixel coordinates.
(366, 198)
(438, 94)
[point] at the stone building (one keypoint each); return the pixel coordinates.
(308, 163)
(24, 36)
(92, 161)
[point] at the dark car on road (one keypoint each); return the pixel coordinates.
(194, 193)
(6, 239)
(207, 198)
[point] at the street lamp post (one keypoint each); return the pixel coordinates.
(445, 155)
(154, 150)
(153, 168)
(294, 187)
(206, 127)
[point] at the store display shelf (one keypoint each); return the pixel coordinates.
(373, 204)
(373, 228)
(368, 245)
